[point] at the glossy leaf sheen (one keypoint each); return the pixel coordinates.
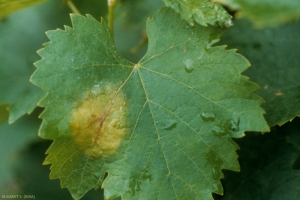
(161, 128)
(201, 11)
(266, 12)
(276, 49)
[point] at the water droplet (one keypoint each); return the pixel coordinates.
(218, 131)
(189, 65)
(169, 125)
(206, 116)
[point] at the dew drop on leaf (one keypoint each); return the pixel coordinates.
(218, 131)
(170, 124)
(206, 116)
(189, 65)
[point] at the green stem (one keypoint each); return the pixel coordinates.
(73, 7)
(111, 11)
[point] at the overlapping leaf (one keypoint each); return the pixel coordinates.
(9, 6)
(274, 55)
(201, 11)
(266, 12)
(19, 41)
(18, 44)
(161, 128)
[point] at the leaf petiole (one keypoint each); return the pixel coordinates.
(111, 8)
(72, 7)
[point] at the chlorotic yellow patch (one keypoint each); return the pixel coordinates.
(99, 122)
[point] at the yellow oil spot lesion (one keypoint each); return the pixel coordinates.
(99, 121)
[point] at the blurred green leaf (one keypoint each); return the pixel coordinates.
(157, 127)
(96, 8)
(275, 60)
(9, 6)
(136, 12)
(130, 26)
(19, 40)
(266, 167)
(266, 12)
(13, 138)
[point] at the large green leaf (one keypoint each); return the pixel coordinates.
(9, 6)
(266, 12)
(266, 167)
(201, 11)
(161, 128)
(274, 55)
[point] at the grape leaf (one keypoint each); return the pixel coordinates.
(266, 170)
(9, 6)
(201, 11)
(161, 128)
(266, 12)
(274, 55)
